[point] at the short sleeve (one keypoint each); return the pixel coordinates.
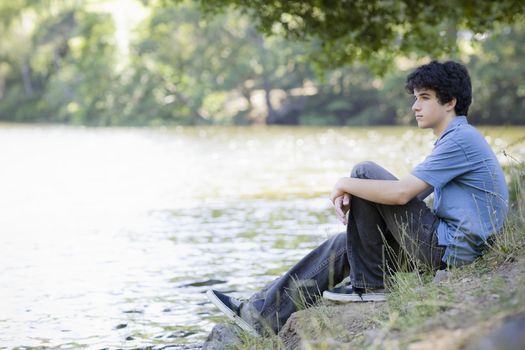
(446, 162)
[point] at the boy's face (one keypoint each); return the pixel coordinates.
(429, 112)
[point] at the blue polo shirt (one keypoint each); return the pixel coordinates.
(470, 193)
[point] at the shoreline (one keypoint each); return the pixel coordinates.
(467, 310)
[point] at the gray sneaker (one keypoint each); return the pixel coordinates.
(348, 294)
(231, 307)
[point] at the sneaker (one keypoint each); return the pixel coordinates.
(353, 294)
(231, 307)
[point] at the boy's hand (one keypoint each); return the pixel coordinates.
(342, 206)
(337, 191)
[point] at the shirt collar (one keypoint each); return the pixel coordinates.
(454, 123)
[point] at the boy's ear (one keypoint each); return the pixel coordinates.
(451, 104)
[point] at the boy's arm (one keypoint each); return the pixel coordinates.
(421, 196)
(392, 192)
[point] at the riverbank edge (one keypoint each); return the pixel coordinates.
(462, 309)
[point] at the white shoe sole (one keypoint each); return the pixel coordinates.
(353, 297)
(230, 314)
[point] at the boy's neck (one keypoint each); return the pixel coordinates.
(440, 128)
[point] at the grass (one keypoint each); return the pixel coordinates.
(472, 300)
(250, 342)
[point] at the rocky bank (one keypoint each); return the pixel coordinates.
(478, 307)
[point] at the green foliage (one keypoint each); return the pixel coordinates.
(66, 65)
(193, 62)
(196, 63)
(373, 31)
(500, 76)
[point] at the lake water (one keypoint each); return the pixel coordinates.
(109, 238)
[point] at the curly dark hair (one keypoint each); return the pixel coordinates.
(449, 80)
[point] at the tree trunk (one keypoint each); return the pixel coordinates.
(26, 78)
(271, 117)
(2, 86)
(56, 59)
(247, 94)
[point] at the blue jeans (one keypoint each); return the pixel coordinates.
(376, 238)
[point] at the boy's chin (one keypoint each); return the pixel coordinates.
(423, 125)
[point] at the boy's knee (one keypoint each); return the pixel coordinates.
(339, 240)
(361, 169)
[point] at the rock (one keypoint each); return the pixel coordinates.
(494, 297)
(179, 334)
(133, 311)
(205, 283)
(442, 339)
(222, 337)
(508, 336)
(442, 276)
(327, 327)
(372, 334)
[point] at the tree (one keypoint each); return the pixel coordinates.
(499, 72)
(373, 31)
(59, 61)
(196, 68)
(56, 62)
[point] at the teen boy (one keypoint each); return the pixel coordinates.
(386, 217)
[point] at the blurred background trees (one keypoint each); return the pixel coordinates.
(246, 62)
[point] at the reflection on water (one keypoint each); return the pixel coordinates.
(110, 237)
